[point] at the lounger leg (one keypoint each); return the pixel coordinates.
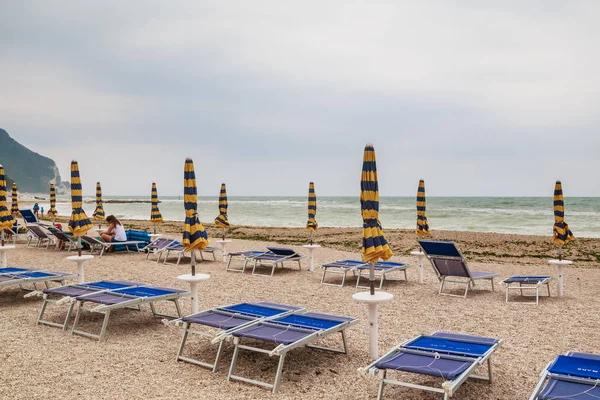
(405, 276)
(323, 276)
(466, 290)
(68, 317)
(77, 315)
(489, 365)
(43, 310)
(358, 278)
(218, 358)
(104, 325)
(548, 286)
(102, 251)
(381, 383)
(236, 350)
(343, 278)
(299, 266)
(381, 279)
(441, 286)
(184, 336)
(273, 271)
(493, 289)
(179, 258)
(344, 341)
(278, 374)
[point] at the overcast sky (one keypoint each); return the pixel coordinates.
(478, 98)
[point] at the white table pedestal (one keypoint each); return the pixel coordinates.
(3, 250)
(80, 260)
(421, 258)
(193, 281)
(311, 248)
(223, 244)
(373, 301)
(560, 267)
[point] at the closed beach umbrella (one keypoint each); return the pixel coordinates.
(99, 211)
(52, 211)
(14, 206)
(422, 225)
(222, 219)
(194, 235)
(312, 224)
(374, 245)
(6, 219)
(155, 216)
(562, 233)
(79, 224)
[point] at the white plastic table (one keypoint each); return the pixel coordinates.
(193, 281)
(420, 257)
(311, 248)
(560, 264)
(373, 301)
(81, 260)
(3, 250)
(223, 244)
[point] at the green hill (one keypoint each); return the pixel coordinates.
(31, 171)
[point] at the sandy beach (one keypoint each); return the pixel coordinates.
(138, 358)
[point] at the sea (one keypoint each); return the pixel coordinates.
(519, 215)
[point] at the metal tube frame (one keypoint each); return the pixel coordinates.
(529, 286)
(381, 275)
(273, 263)
(338, 271)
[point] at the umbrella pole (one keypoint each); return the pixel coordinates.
(154, 225)
(372, 277)
(193, 262)
(560, 253)
(224, 229)
(2, 235)
(79, 246)
(310, 238)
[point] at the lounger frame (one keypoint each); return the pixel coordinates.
(381, 270)
(448, 387)
(281, 350)
(155, 248)
(59, 277)
(273, 260)
(339, 267)
(534, 285)
(96, 244)
(220, 336)
(35, 232)
(244, 256)
(181, 253)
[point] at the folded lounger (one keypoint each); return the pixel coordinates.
(287, 333)
(381, 269)
(178, 249)
(340, 267)
(68, 294)
(452, 357)
(97, 244)
(156, 247)
(244, 256)
(10, 276)
(275, 256)
(226, 320)
(520, 283)
(37, 234)
(450, 266)
(128, 297)
(574, 376)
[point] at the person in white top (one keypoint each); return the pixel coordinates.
(115, 231)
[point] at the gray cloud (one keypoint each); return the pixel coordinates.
(495, 98)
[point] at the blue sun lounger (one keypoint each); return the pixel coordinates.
(520, 283)
(68, 294)
(382, 268)
(220, 322)
(274, 257)
(287, 333)
(450, 266)
(574, 376)
(10, 276)
(129, 297)
(340, 267)
(244, 256)
(452, 357)
(178, 249)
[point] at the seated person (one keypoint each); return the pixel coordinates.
(115, 231)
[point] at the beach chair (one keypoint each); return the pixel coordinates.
(100, 246)
(340, 267)
(527, 283)
(450, 266)
(156, 247)
(37, 236)
(274, 257)
(218, 323)
(68, 294)
(130, 297)
(244, 256)
(382, 268)
(63, 239)
(177, 249)
(449, 356)
(287, 333)
(574, 376)
(11, 276)
(29, 217)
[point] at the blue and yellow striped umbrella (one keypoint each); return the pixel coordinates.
(311, 224)
(155, 216)
(374, 245)
(422, 225)
(14, 206)
(562, 233)
(52, 211)
(79, 223)
(222, 219)
(6, 219)
(99, 211)
(194, 235)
